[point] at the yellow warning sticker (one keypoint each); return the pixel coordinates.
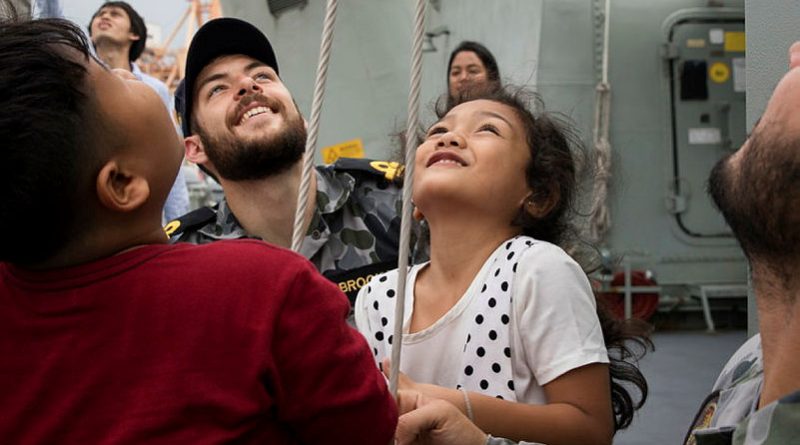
(735, 41)
(349, 149)
(719, 72)
(695, 43)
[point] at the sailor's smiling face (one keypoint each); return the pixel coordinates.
(243, 109)
(242, 96)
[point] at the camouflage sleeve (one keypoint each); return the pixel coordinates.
(734, 397)
(776, 424)
(744, 364)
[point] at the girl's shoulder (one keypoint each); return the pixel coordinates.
(546, 266)
(383, 278)
(542, 253)
(381, 284)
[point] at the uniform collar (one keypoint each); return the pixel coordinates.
(333, 192)
(225, 226)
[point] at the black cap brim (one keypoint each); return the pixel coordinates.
(219, 37)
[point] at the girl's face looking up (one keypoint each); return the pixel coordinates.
(474, 159)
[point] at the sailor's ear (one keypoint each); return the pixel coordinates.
(195, 151)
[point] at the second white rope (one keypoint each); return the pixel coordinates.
(405, 225)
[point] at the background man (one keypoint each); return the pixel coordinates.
(119, 35)
(244, 128)
(108, 334)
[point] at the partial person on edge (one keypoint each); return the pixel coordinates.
(119, 35)
(756, 398)
(108, 333)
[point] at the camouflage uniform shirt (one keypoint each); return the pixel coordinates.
(730, 415)
(355, 228)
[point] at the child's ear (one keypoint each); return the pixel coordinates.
(195, 152)
(539, 205)
(120, 190)
(417, 214)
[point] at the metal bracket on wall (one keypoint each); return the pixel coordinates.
(675, 201)
(669, 51)
(724, 110)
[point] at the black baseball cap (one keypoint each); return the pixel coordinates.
(219, 37)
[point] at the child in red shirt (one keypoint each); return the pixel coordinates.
(110, 335)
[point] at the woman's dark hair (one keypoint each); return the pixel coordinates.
(552, 176)
(47, 125)
(138, 27)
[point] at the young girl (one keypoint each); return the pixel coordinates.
(502, 322)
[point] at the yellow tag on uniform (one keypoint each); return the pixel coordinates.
(171, 227)
(391, 170)
(735, 41)
(719, 72)
(349, 149)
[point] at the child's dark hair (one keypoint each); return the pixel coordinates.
(552, 175)
(46, 123)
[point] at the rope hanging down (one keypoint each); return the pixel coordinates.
(405, 225)
(313, 128)
(600, 217)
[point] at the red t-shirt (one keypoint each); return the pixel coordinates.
(234, 341)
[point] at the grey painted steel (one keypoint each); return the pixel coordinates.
(643, 227)
(705, 129)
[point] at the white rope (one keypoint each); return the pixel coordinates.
(313, 127)
(600, 216)
(405, 225)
